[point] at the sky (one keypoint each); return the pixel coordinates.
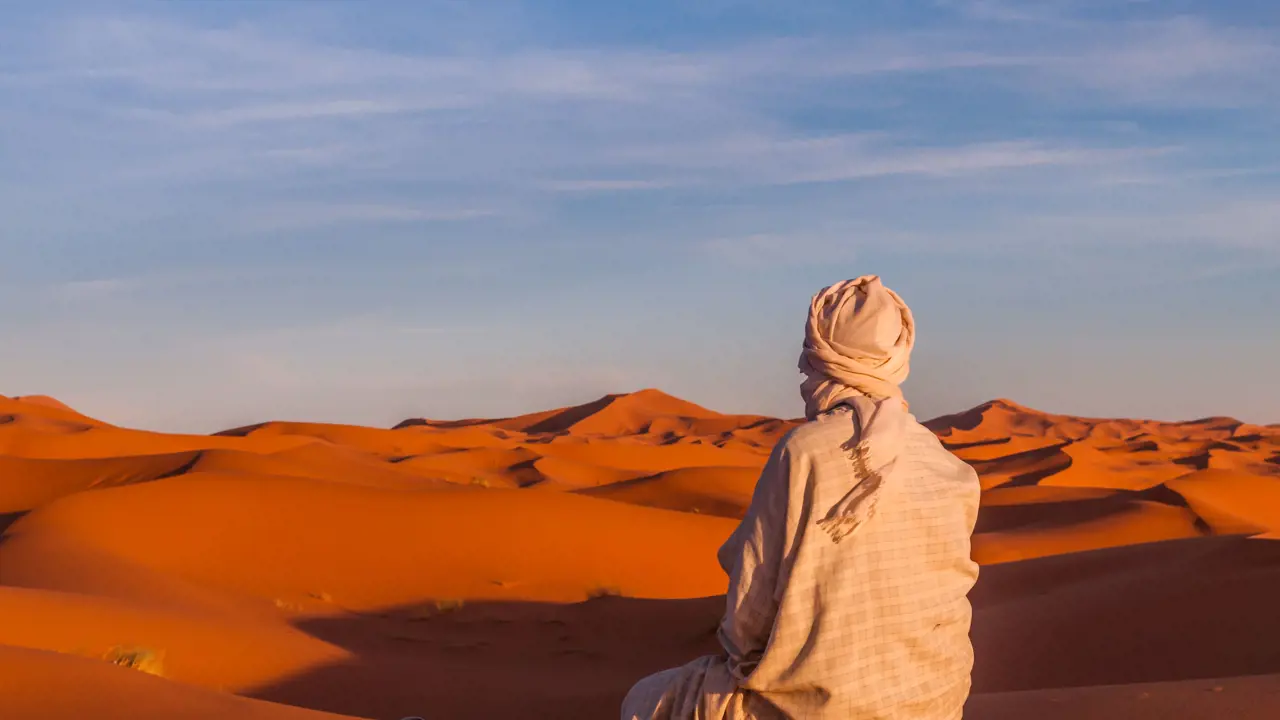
(226, 212)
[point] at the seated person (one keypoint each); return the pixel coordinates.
(849, 576)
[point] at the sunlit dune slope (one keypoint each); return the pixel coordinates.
(648, 448)
(39, 685)
(285, 538)
(560, 555)
(234, 651)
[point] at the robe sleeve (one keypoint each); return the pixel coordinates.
(753, 557)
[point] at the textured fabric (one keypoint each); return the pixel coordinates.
(874, 627)
(858, 341)
(882, 432)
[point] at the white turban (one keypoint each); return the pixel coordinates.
(857, 351)
(858, 340)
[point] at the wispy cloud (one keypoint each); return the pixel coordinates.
(314, 215)
(243, 59)
(308, 155)
(764, 160)
(82, 290)
(769, 250)
(441, 330)
(965, 159)
(1180, 61)
(606, 185)
(1243, 223)
(272, 115)
(297, 111)
(219, 77)
(177, 58)
(146, 156)
(625, 118)
(1000, 11)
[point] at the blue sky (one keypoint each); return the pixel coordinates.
(216, 213)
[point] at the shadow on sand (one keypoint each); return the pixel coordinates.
(1182, 609)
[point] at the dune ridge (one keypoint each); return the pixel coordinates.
(285, 569)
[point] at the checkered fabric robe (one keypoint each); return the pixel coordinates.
(873, 627)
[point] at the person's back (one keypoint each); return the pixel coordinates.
(849, 574)
(876, 626)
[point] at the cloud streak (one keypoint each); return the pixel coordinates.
(317, 215)
(620, 119)
(261, 167)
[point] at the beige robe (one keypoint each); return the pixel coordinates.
(872, 627)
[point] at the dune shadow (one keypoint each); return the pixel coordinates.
(1028, 467)
(962, 421)
(500, 659)
(1132, 445)
(7, 519)
(182, 469)
(1050, 515)
(567, 418)
(1198, 461)
(649, 491)
(954, 447)
(1065, 513)
(1169, 610)
(1162, 494)
(1172, 610)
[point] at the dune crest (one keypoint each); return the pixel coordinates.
(334, 567)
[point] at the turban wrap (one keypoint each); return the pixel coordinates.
(858, 340)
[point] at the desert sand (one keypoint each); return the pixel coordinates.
(536, 566)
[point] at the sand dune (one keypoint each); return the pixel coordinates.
(1175, 610)
(32, 482)
(1238, 698)
(287, 538)
(233, 651)
(1040, 529)
(37, 685)
(569, 474)
(724, 491)
(1233, 502)
(29, 408)
(318, 462)
(558, 556)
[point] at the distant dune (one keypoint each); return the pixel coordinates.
(535, 566)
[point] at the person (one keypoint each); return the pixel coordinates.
(850, 572)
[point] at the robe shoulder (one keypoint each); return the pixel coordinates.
(838, 428)
(831, 429)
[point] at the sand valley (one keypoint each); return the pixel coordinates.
(536, 566)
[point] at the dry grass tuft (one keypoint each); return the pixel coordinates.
(439, 607)
(141, 659)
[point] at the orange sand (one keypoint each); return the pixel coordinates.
(535, 566)
(37, 685)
